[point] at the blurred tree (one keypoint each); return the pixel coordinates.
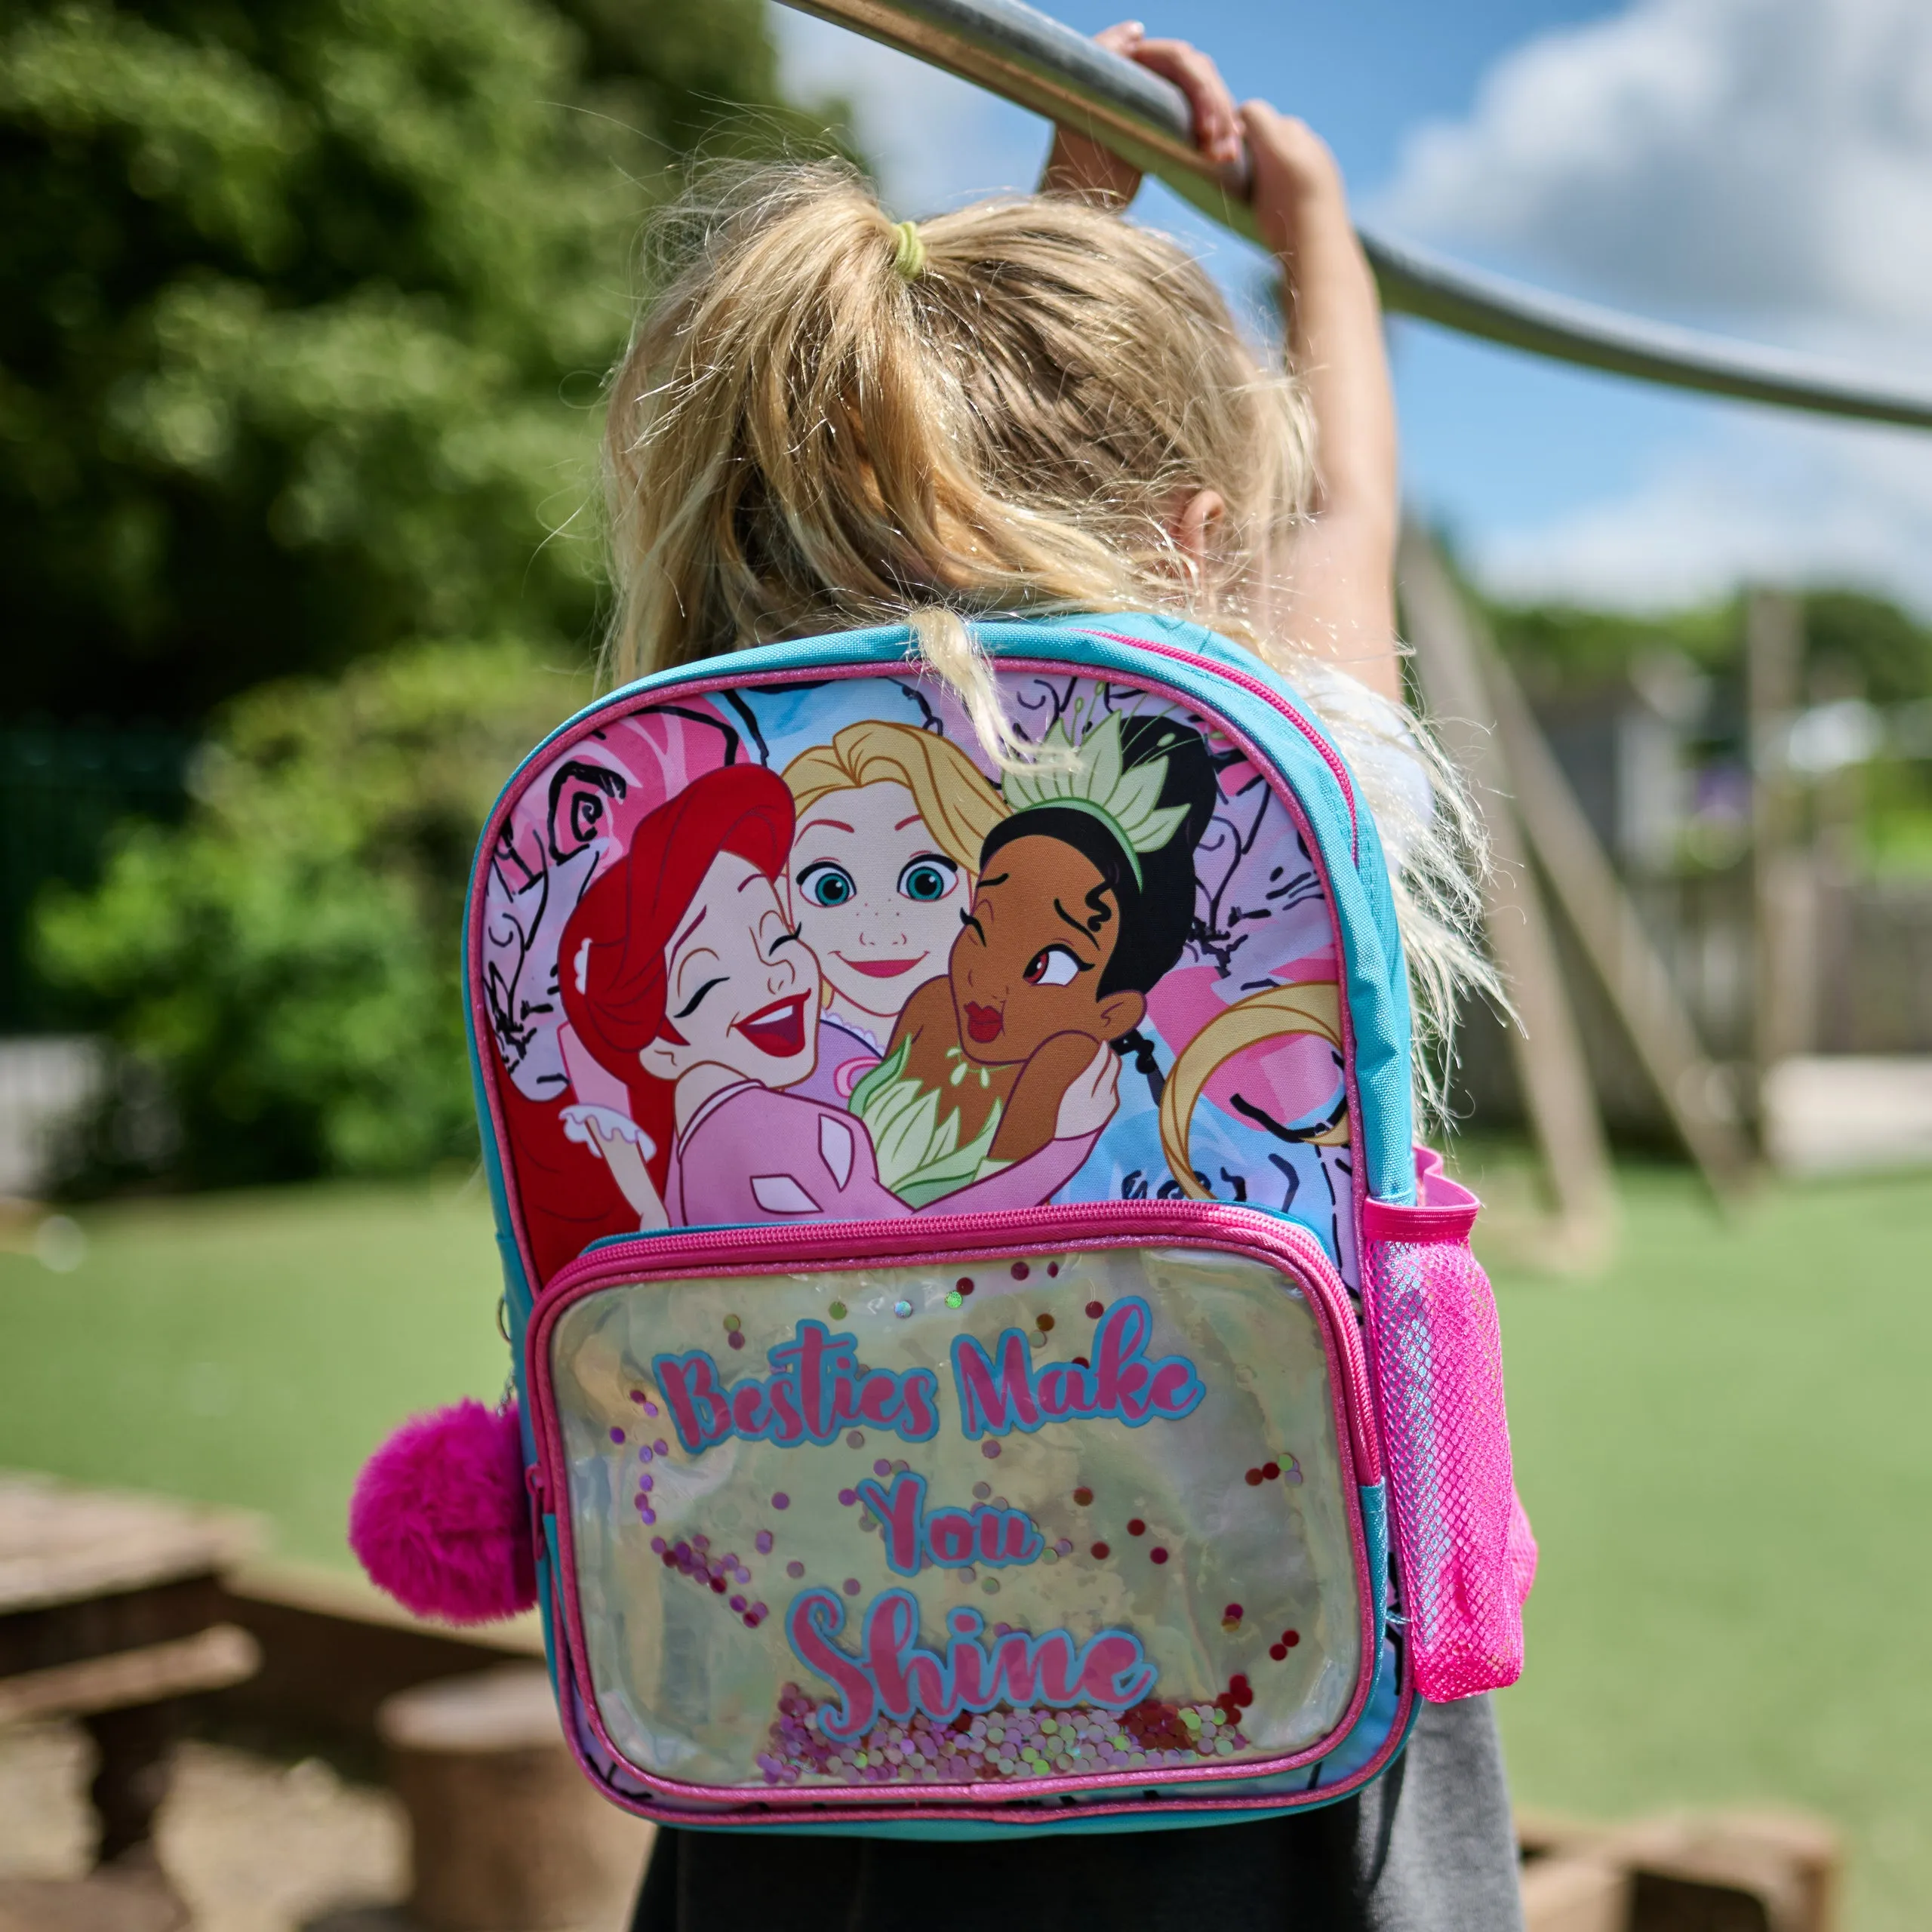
(1851, 637)
(1862, 642)
(304, 305)
(282, 969)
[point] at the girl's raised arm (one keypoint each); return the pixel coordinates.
(1335, 594)
(1338, 578)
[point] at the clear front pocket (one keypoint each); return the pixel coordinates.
(977, 1522)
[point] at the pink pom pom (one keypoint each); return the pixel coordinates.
(440, 1519)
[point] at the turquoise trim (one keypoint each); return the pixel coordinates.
(546, 1608)
(1375, 1527)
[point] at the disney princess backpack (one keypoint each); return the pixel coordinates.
(988, 1357)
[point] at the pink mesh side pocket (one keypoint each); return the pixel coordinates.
(1464, 1554)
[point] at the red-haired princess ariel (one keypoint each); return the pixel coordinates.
(683, 977)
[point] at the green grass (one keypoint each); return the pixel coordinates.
(249, 1349)
(1725, 1446)
(1724, 1443)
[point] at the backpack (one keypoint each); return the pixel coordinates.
(980, 1321)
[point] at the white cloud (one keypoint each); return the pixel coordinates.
(936, 141)
(1763, 165)
(1759, 158)
(1763, 501)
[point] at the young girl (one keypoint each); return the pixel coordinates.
(1030, 407)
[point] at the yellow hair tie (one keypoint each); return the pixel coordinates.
(909, 253)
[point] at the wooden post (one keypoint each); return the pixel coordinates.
(1546, 1050)
(1781, 999)
(1695, 1094)
(1461, 668)
(508, 1835)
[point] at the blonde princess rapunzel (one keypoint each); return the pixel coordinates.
(891, 820)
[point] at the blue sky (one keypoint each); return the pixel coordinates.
(1758, 166)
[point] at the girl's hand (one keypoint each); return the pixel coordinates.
(1090, 1103)
(626, 1158)
(1296, 182)
(1081, 167)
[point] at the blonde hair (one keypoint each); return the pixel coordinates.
(1282, 1013)
(810, 431)
(957, 805)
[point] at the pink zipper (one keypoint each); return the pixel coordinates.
(1326, 752)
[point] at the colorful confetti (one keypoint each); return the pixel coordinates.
(1001, 1744)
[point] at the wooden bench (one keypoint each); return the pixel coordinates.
(110, 1613)
(506, 1834)
(1727, 1871)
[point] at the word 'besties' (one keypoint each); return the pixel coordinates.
(893, 1676)
(818, 1389)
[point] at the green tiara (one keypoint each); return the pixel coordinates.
(1095, 777)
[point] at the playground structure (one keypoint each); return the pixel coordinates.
(1550, 859)
(1029, 58)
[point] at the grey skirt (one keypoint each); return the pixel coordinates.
(1427, 1848)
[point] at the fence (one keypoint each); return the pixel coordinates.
(1865, 986)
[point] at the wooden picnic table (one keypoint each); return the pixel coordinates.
(111, 1613)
